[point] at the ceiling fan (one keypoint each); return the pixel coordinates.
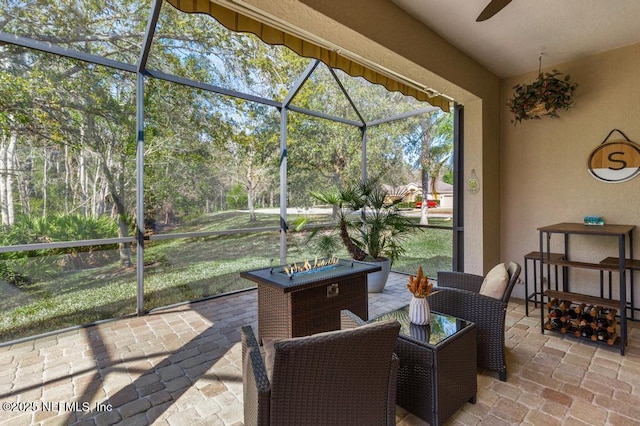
(492, 8)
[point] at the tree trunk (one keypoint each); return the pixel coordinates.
(25, 175)
(11, 161)
(424, 215)
(67, 172)
(356, 252)
(98, 192)
(45, 181)
(251, 189)
(434, 191)
(83, 178)
(425, 162)
(7, 168)
(123, 228)
(252, 211)
(4, 170)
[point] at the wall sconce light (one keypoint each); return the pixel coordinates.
(473, 183)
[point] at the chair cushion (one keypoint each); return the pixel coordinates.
(495, 282)
(269, 353)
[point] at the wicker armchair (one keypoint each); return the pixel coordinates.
(344, 377)
(458, 296)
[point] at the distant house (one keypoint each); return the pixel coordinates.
(413, 191)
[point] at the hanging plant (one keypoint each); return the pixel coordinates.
(545, 96)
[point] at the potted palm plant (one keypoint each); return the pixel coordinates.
(369, 225)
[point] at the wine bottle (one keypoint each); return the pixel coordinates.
(553, 324)
(602, 334)
(611, 314)
(579, 308)
(572, 315)
(602, 322)
(586, 320)
(555, 313)
(587, 332)
(552, 303)
(576, 322)
(557, 323)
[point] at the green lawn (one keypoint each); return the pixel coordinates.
(177, 270)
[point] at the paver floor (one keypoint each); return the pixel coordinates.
(181, 366)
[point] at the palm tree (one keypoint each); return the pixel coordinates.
(432, 142)
(375, 231)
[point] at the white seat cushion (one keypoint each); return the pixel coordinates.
(495, 282)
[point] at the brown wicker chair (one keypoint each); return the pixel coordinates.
(458, 296)
(344, 377)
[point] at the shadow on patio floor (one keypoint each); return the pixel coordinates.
(181, 366)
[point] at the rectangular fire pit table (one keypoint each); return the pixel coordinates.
(438, 365)
(309, 302)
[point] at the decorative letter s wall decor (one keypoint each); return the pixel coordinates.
(615, 161)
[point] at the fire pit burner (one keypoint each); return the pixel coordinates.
(307, 267)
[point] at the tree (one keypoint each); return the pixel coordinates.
(25, 116)
(69, 131)
(432, 141)
(253, 150)
(80, 116)
(326, 153)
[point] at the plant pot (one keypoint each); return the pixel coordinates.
(377, 280)
(419, 311)
(539, 110)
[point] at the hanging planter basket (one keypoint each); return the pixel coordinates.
(545, 96)
(539, 110)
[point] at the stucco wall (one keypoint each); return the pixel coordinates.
(381, 32)
(545, 179)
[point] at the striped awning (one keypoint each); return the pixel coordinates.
(237, 22)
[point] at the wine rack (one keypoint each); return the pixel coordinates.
(622, 233)
(591, 322)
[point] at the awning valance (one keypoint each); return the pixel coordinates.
(237, 22)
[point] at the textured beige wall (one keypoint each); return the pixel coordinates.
(544, 174)
(381, 32)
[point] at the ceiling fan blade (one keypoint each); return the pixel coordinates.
(492, 8)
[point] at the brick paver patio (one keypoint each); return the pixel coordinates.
(181, 366)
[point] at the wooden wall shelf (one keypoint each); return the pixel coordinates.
(584, 265)
(612, 262)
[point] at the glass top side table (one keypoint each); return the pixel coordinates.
(438, 365)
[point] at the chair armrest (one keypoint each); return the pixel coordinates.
(468, 305)
(393, 389)
(255, 382)
(350, 320)
(461, 280)
(486, 312)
